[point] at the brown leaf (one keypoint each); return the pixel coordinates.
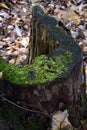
(17, 62)
(84, 124)
(85, 49)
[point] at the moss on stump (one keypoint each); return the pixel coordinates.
(43, 70)
(54, 70)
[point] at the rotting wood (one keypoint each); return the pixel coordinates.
(50, 38)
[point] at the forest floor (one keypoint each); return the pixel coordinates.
(15, 18)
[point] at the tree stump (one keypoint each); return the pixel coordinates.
(54, 70)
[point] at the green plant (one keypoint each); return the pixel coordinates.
(43, 70)
(73, 116)
(85, 100)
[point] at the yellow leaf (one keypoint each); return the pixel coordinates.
(1, 37)
(3, 5)
(1, 75)
(75, 19)
(36, 4)
(84, 124)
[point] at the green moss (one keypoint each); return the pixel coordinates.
(43, 70)
(73, 116)
(85, 100)
(17, 119)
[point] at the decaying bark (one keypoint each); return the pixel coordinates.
(50, 38)
(41, 41)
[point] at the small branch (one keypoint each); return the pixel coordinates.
(26, 109)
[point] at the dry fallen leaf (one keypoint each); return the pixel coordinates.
(15, 53)
(1, 37)
(25, 41)
(18, 30)
(23, 50)
(12, 61)
(3, 5)
(4, 14)
(84, 124)
(17, 62)
(18, 45)
(1, 75)
(36, 4)
(9, 52)
(85, 49)
(75, 19)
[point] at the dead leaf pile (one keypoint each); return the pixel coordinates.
(14, 31)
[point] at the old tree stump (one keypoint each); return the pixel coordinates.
(54, 70)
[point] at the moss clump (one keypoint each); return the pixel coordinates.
(73, 116)
(43, 70)
(85, 100)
